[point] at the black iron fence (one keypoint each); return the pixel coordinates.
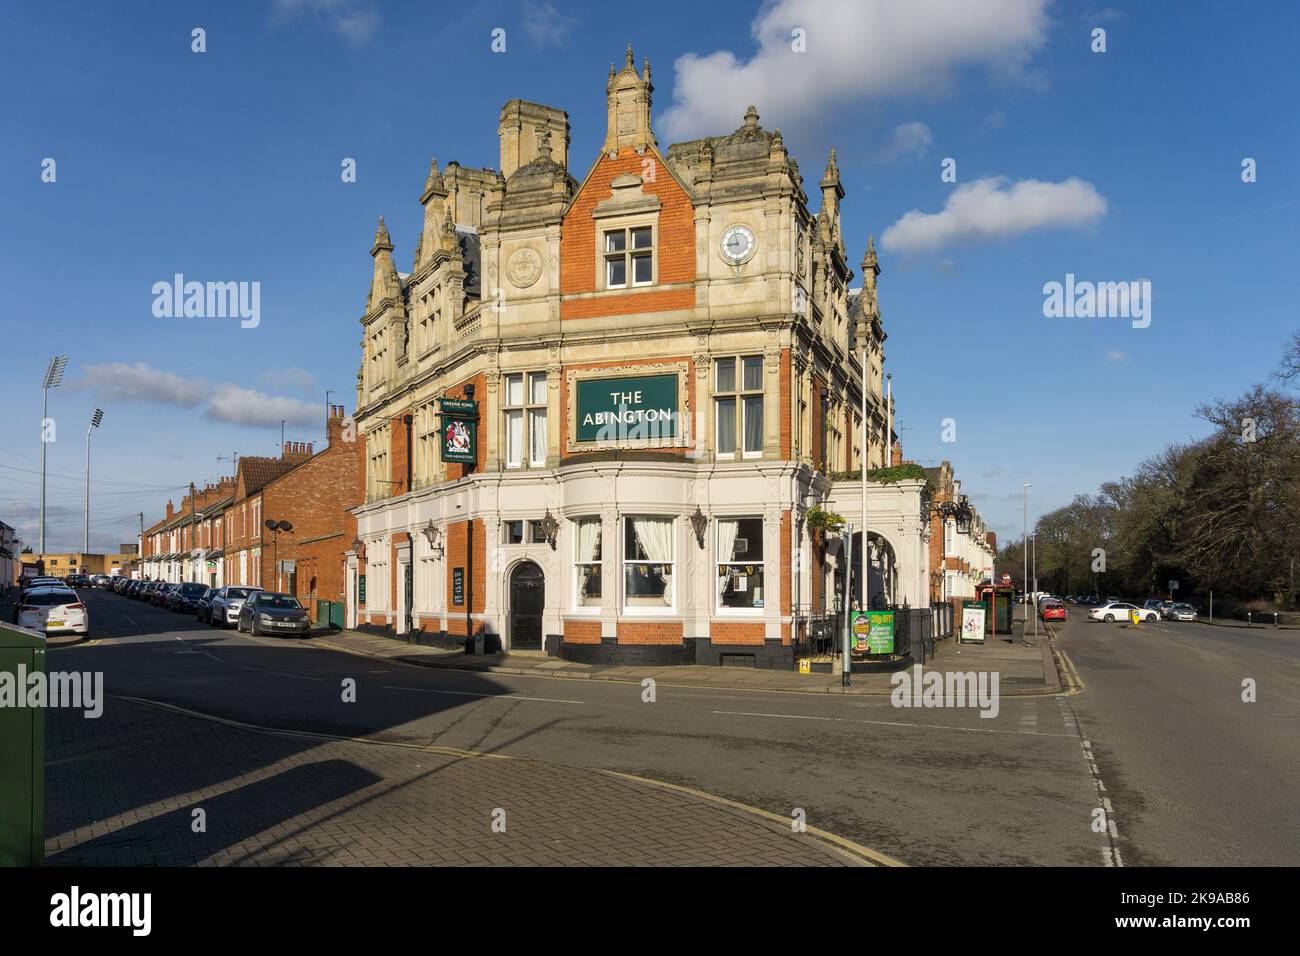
(820, 637)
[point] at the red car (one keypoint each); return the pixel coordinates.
(1053, 612)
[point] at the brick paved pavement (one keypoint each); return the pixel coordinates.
(121, 790)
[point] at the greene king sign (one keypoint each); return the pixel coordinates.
(630, 408)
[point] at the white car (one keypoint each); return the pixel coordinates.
(226, 603)
(1120, 611)
(54, 610)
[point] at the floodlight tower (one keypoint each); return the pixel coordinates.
(53, 378)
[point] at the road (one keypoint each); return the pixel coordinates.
(1196, 775)
(926, 787)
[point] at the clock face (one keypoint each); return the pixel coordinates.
(738, 244)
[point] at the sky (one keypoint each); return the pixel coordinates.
(1115, 165)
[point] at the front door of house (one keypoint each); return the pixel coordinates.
(527, 598)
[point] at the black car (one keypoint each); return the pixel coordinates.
(266, 612)
(158, 596)
(184, 598)
(203, 606)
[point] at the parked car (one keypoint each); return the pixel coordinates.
(54, 610)
(1165, 608)
(203, 606)
(268, 612)
(226, 604)
(1119, 611)
(1052, 611)
(184, 598)
(1182, 612)
(1152, 604)
(160, 594)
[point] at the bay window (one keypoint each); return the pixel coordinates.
(587, 561)
(740, 562)
(648, 562)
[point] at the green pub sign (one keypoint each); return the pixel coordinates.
(361, 589)
(629, 408)
(459, 429)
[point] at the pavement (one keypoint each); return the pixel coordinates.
(1024, 668)
(146, 785)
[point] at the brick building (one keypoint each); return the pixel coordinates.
(960, 552)
(313, 492)
(595, 413)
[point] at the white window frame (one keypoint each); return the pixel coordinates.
(604, 254)
(738, 395)
(719, 609)
(529, 412)
(577, 566)
(634, 610)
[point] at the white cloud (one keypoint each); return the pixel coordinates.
(235, 405)
(853, 51)
(908, 141)
(983, 210)
(354, 20)
(120, 382)
(545, 25)
(299, 378)
(1116, 356)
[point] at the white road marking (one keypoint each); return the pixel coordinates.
(887, 723)
(464, 693)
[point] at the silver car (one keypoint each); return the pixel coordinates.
(1182, 612)
(226, 603)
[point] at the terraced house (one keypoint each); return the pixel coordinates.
(595, 414)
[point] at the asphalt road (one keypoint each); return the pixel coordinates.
(1197, 776)
(1189, 781)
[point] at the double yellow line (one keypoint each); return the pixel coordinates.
(1069, 672)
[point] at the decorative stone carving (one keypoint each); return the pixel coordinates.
(524, 268)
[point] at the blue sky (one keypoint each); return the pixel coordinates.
(224, 165)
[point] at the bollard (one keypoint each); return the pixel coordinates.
(1249, 622)
(1275, 618)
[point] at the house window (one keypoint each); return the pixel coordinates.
(629, 257)
(740, 563)
(947, 538)
(525, 420)
(512, 532)
(586, 561)
(738, 399)
(535, 533)
(648, 562)
(426, 448)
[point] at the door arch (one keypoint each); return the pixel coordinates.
(527, 600)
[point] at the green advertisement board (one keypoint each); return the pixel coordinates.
(873, 632)
(361, 589)
(628, 408)
(458, 587)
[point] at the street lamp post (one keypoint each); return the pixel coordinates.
(53, 376)
(1025, 544)
(276, 527)
(95, 419)
(1034, 541)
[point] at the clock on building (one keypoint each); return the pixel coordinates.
(738, 244)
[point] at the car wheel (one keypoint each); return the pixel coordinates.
(1110, 618)
(254, 629)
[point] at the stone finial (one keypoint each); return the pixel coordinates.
(448, 234)
(630, 58)
(434, 179)
(751, 118)
(544, 145)
(832, 167)
(611, 73)
(645, 69)
(381, 239)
